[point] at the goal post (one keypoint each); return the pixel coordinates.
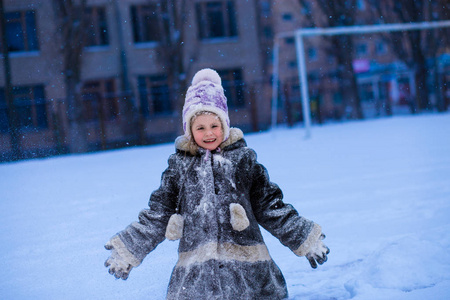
(299, 34)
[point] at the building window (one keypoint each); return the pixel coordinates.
(313, 77)
(21, 34)
(154, 95)
(312, 54)
(289, 40)
(267, 32)
(286, 16)
(292, 64)
(99, 100)
(265, 8)
(380, 48)
(216, 19)
(366, 91)
(29, 104)
(337, 98)
(3, 112)
(361, 49)
(335, 76)
(97, 29)
(147, 23)
(233, 85)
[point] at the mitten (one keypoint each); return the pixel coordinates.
(121, 261)
(318, 253)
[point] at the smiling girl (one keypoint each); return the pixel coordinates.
(214, 195)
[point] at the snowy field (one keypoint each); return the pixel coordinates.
(379, 188)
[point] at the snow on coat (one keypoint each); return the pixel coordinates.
(222, 197)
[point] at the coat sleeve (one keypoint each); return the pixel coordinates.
(281, 219)
(140, 238)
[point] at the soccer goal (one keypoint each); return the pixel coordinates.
(299, 34)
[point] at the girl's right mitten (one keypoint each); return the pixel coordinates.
(120, 262)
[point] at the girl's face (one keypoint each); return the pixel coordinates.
(207, 131)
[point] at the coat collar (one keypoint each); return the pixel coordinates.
(183, 143)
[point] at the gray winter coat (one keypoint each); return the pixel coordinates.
(223, 197)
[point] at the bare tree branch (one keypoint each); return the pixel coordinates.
(72, 22)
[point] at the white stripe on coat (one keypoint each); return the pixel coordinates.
(223, 252)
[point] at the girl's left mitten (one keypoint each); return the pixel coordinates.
(121, 261)
(318, 253)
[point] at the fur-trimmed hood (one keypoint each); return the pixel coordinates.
(183, 143)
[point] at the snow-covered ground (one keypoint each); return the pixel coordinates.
(379, 188)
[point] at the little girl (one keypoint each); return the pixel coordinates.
(213, 197)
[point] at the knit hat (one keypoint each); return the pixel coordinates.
(206, 94)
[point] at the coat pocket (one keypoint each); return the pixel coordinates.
(174, 229)
(238, 217)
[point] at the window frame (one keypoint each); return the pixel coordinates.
(313, 54)
(30, 106)
(98, 22)
(234, 87)
(381, 48)
(287, 17)
(362, 49)
(99, 100)
(28, 31)
(140, 28)
(228, 15)
(154, 96)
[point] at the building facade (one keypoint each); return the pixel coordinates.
(385, 84)
(138, 56)
(126, 96)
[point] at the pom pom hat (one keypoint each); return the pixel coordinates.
(206, 94)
